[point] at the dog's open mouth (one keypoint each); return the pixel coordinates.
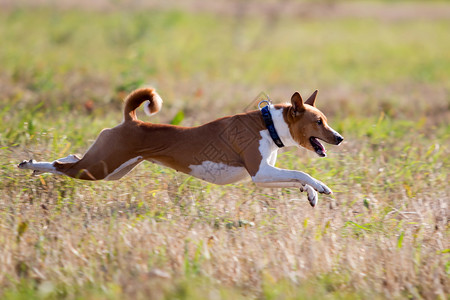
(318, 148)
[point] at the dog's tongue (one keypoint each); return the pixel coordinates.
(320, 150)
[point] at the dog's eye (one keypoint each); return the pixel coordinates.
(319, 122)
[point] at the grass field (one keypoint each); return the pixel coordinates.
(384, 83)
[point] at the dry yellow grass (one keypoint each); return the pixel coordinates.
(159, 234)
(156, 227)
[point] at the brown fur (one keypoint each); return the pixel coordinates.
(232, 140)
(302, 121)
(173, 146)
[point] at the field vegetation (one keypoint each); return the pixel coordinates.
(384, 83)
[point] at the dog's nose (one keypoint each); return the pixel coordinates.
(339, 139)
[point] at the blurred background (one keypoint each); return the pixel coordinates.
(382, 69)
(364, 57)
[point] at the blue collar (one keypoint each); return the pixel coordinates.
(270, 126)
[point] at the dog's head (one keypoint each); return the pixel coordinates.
(308, 125)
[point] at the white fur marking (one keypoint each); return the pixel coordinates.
(218, 173)
(124, 168)
(270, 176)
(282, 127)
(157, 103)
(43, 167)
(69, 159)
(268, 149)
(39, 167)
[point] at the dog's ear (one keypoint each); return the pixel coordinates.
(312, 99)
(297, 102)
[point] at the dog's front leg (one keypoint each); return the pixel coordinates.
(270, 176)
(312, 194)
(291, 178)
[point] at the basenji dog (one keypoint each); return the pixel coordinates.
(223, 151)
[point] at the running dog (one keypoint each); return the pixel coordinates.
(223, 151)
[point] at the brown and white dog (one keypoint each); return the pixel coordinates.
(223, 151)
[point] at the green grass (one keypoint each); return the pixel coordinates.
(156, 233)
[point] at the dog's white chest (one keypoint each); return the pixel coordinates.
(218, 173)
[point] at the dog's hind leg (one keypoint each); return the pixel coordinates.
(97, 163)
(47, 167)
(87, 168)
(68, 166)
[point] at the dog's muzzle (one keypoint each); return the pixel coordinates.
(338, 138)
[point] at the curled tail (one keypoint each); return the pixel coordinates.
(135, 99)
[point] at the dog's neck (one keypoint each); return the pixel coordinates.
(281, 125)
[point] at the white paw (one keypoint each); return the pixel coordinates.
(312, 194)
(322, 188)
(26, 164)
